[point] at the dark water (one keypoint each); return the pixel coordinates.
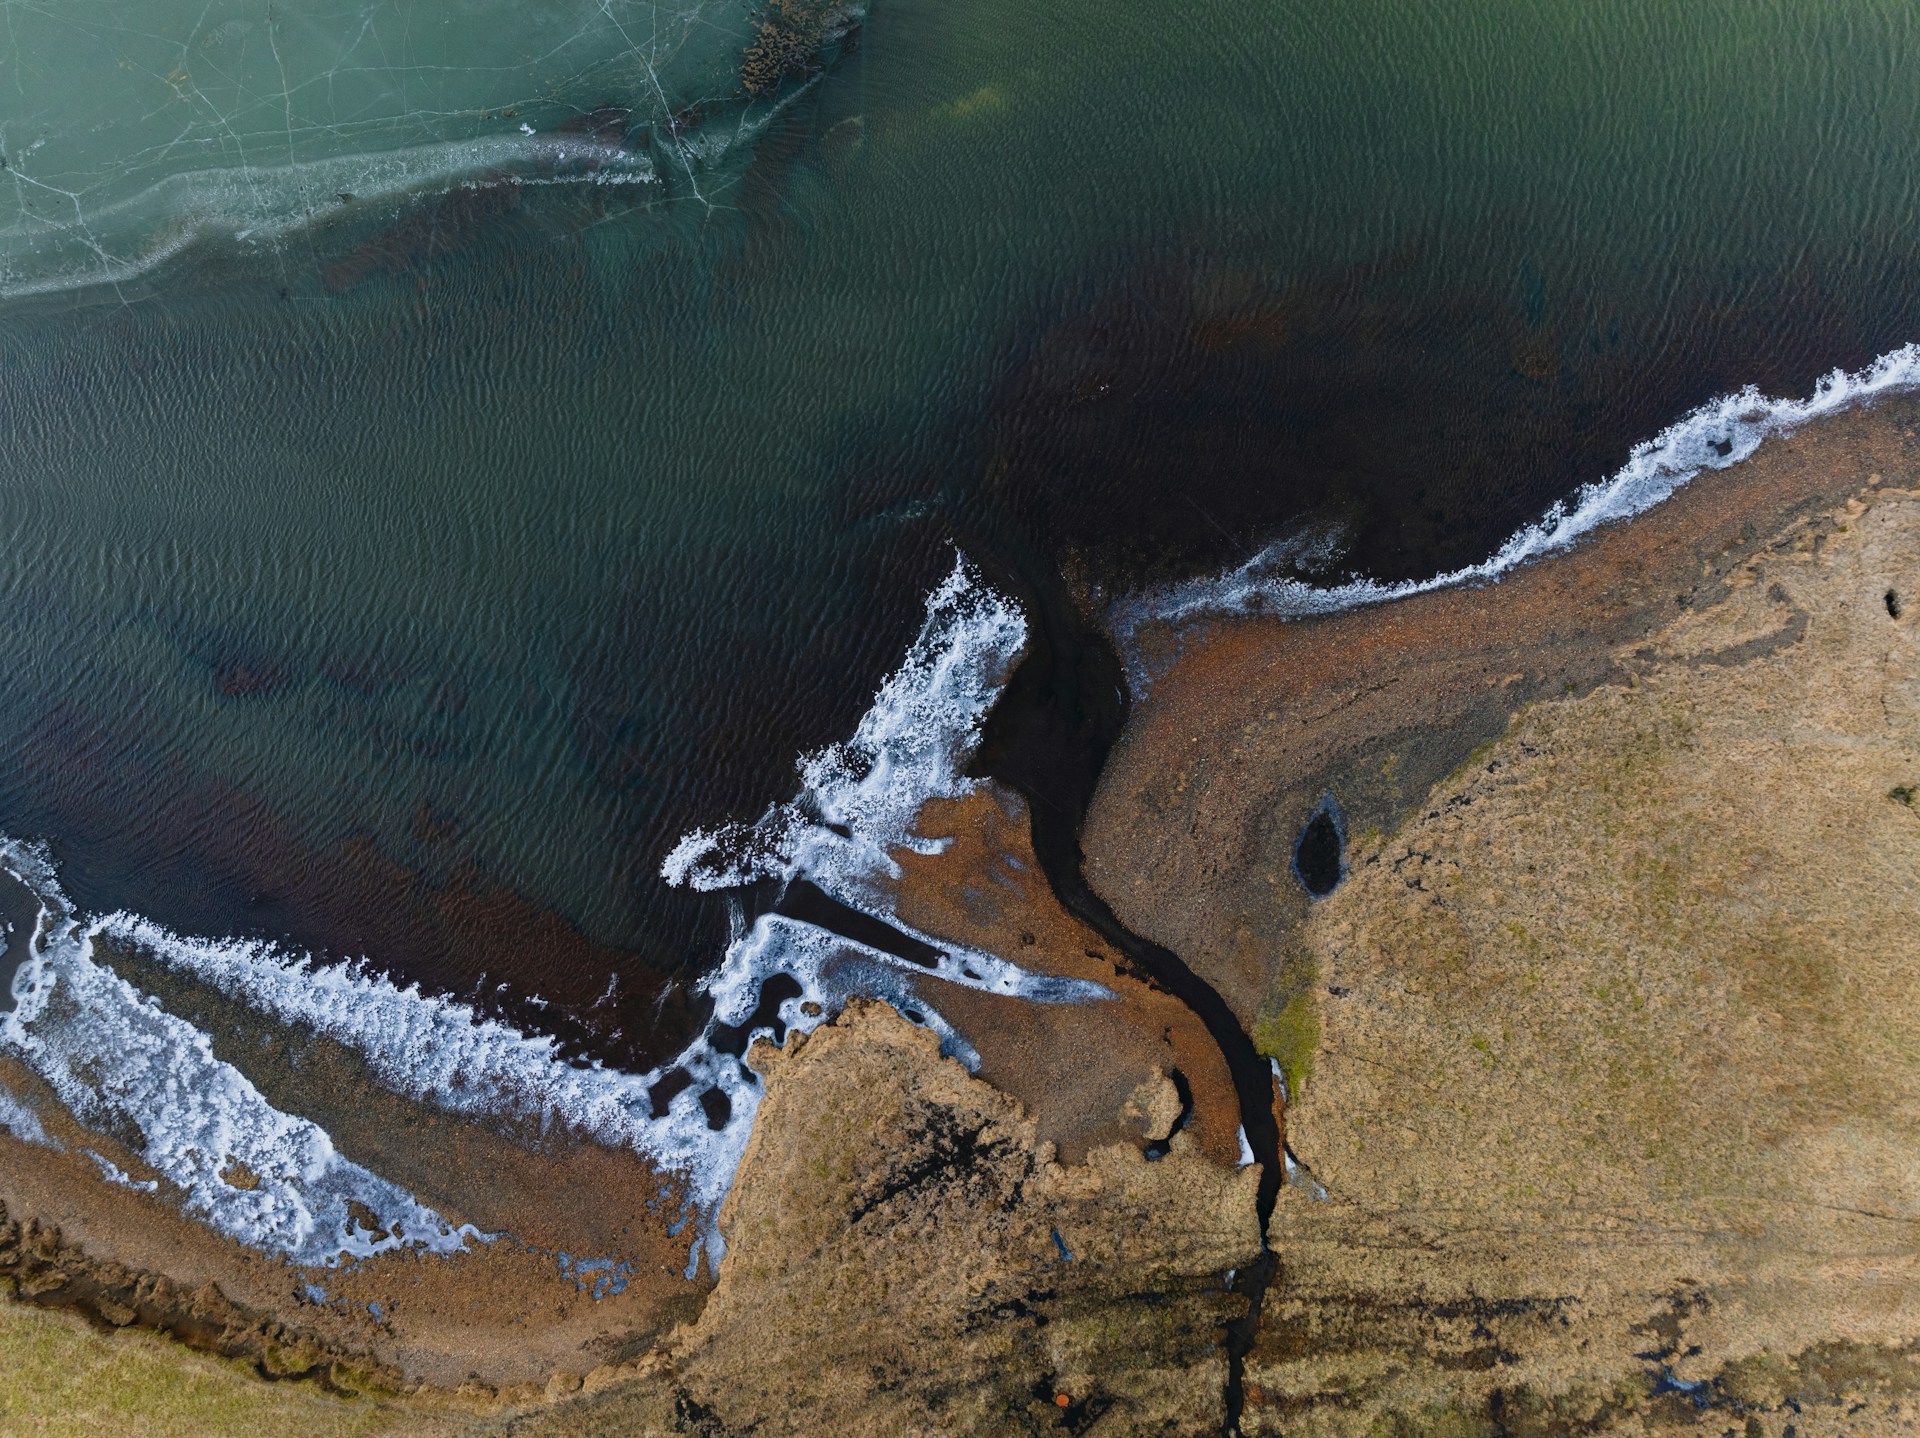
(405, 587)
(1318, 853)
(19, 910)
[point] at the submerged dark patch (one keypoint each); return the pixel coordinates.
(670, 1084)
(765, 1018)
(1161, 1147)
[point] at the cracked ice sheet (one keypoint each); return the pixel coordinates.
(127, 130)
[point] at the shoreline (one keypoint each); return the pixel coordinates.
(1378, 703)
(1610, 1096)
(1201, 798)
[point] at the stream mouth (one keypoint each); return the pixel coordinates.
(1062, 711)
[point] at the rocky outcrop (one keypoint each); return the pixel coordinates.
(1073, 1066)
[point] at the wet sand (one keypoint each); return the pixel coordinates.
(1075, 1066)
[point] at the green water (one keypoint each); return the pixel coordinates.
(385, 572)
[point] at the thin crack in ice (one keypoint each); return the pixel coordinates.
(125, 142)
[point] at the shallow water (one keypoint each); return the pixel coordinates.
(406, 576)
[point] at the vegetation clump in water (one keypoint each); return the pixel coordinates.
(788, 36)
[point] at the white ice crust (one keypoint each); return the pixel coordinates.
(909, 748)
(116, 1059)
(1718, 434)
(23, 1123)
(125, 1067)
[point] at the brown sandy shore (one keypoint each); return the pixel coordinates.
(1603, 1064)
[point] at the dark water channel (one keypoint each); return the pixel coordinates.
(1048, 738)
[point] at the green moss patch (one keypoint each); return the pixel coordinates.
(1289, 1033)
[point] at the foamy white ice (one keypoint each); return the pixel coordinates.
(113, 1173)
(125, 1067)
(23, 1123)
(1719, 434)
(910, 747)
(861, 799)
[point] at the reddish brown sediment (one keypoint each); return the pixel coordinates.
(500, 1314)
(1074, 1066)
(1603, 1052)
(1191, 833)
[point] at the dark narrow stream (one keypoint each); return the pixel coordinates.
(1049, 737)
